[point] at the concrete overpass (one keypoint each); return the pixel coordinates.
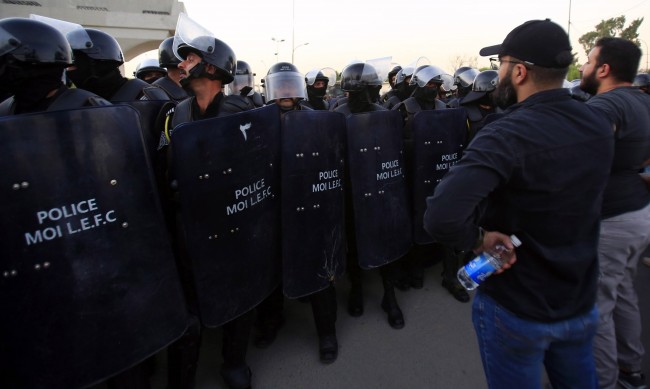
(139, 26)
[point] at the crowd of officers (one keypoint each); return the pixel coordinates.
(203, 85)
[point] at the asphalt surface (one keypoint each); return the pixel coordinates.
(436, 349)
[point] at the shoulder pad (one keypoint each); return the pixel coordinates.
(411, 105)
(154, 93)
(234, 104)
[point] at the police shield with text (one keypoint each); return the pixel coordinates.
(82, 250)
(312, 203)
(377, 189)
(229, 183)
(438, 141)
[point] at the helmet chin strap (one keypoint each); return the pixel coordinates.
(199, 71)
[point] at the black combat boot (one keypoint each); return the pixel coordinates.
(237, 377)
(389, 305)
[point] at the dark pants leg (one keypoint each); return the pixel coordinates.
(183, 357)
(323, 306)
(236, 333)
(269, 311)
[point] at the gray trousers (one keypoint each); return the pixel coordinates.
(623, 239)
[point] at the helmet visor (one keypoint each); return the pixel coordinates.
(285, 85)
(326, 74)
(382, 66)
(74, 33)
(7, 42)
(190, 33)
(241, 81)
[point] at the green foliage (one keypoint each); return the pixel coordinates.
(574, 72)
(614, 27)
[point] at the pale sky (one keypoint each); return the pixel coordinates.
(339, 31)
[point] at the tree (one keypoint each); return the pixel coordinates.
(461, 60)
(614, 27)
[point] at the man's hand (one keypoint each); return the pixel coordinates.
(493, 238)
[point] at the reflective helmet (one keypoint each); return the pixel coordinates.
(464, 76)
(429, 73)
(105, 47)
(403, 74)
(244, 77)
(357, 77)
(284, 81)
(316, 75)
(642, 80)
(34, 42)
(484, 83)
(148, 65)
(166, 56)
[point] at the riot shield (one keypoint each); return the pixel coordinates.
(228, 172)
(313, 147)
(439, 138)
(381, 207)
(89, 285)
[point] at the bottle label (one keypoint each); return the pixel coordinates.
(479, 268)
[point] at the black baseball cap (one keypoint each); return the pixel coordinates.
(540, 42)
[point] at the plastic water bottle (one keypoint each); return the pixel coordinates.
(483, 265)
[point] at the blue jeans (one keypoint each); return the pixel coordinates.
(513, 350)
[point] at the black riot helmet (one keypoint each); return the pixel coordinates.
(642, 81)
(484, 83)
(244, 78)
(104, 47)
(393, 74)
(146, 67)
(464, 78)
(191, 37)
(316, 75)
(357, 77)
(166, 56)
(217, 54)
(23, 40)
(284, 81)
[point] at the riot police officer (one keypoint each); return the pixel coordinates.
(207, 65)
(463, 79)
(479, 102)
(642, 81)
(244, 84)
(285, 87)
(362, 83)
(427, 81)
(392, 75)
(171, 82)
(32, 68)
(317, 82)
(96, 68)
(149, 70)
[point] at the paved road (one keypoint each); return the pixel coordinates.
(436, 349)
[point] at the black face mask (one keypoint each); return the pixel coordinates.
(316, 93)
(426, 94)
(29, 84)
(360, 101)
(404, 90)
